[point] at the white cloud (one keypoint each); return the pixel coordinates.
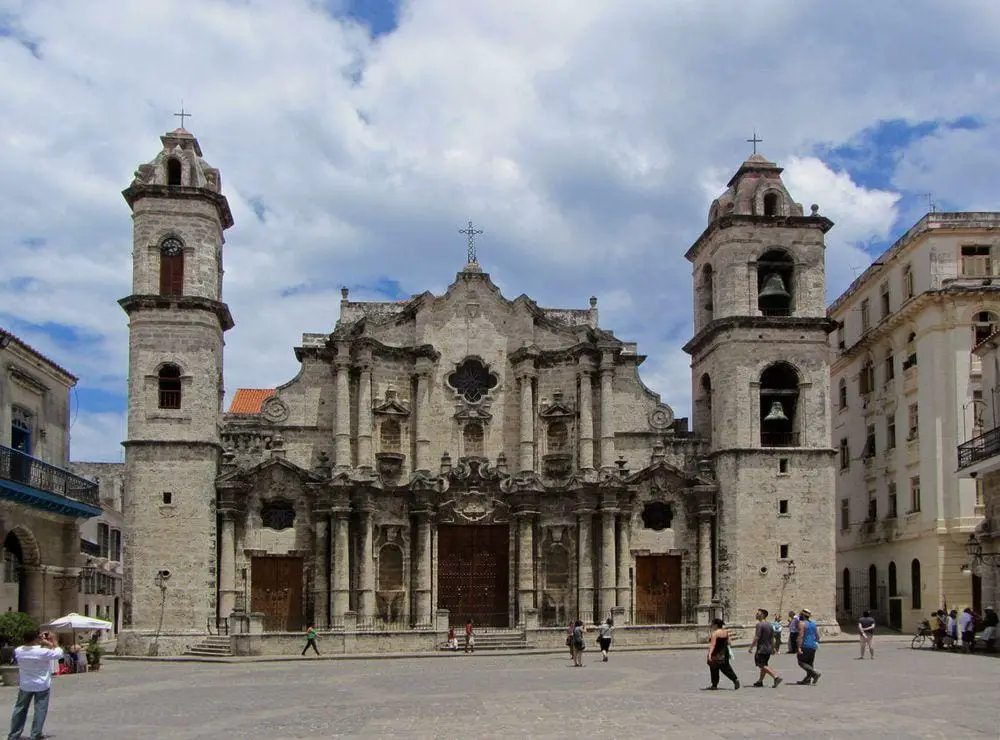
(583, 136)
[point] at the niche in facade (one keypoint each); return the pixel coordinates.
(278, 514)
(657, 516)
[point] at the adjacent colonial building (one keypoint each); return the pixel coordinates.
(469, 455)
(42, 504)
(907, 388)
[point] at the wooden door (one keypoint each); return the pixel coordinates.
(473, 573)
(277, 592)
(657, 589)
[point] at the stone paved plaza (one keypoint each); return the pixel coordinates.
(903, 694)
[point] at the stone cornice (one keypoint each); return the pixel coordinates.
(137, 302)
(768, 222)
(135, 192)
(757, 322)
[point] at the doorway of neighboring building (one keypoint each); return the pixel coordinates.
(977, 594)
(473, 573)
(276, 592)
(657, 589)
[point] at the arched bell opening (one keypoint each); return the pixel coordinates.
(703, 408)
(779, 398)
(774, 283)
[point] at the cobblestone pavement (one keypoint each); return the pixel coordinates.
(903, 694)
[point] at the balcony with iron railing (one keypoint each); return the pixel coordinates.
(38, 484)
(980, 453)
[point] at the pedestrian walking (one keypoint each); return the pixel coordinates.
(866, 631)
(470, 637)
(720, 655)
(310, 640)
(793, 632)
(990, 623)
(808, 645)
(762, 647)
(569, 639)
(34, 661)
(579, 644)
(967, 626)
(604, 638)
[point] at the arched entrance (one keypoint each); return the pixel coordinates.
(19, 549)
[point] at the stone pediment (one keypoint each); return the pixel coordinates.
(558, 409)
(391, 406)
(662, 475)
(275, 467)
(473, 413)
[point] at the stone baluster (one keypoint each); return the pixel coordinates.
(607, 410)
(366, 457)
(624, 560)
(586, 416)
(342, 427)
(585, 568)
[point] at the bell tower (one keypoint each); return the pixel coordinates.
(176, 325)
(760, 377)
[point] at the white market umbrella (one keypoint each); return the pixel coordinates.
(74, 621)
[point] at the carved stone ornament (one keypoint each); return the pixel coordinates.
(473, 507)
(662, 417)
(274, 410)
(278, 514)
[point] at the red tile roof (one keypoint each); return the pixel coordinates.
(249, 400)
(6, 334)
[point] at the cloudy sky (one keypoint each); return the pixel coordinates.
(586, 137)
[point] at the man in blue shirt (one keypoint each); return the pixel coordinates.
(808, 645)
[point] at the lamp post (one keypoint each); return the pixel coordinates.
(974, 549)
(965, 407)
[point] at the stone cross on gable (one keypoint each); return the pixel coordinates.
(182, 115)
(754, 140)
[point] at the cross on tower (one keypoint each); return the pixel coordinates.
(182, 115)
(472, 233)
(754, 140)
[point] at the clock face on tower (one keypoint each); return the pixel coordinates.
(172, 246)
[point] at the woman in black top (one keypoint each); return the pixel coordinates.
(718, 655)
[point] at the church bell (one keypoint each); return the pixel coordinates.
(774, 289)
(777, 412)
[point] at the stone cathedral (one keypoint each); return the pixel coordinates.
(471, 456)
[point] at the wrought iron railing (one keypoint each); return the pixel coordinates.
(30, 471)
(375, 623)
(218, 625)
(979, 448)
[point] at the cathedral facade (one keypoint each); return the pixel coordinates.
(468, 456)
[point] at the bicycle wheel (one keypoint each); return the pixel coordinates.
(918, 641)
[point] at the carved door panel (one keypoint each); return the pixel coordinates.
(473, 573)
(657, 589)
(277, 592)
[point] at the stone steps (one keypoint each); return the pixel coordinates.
(213, 646)
(510, 640)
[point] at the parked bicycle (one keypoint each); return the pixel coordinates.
(924, 635)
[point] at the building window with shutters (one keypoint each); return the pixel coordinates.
(976, 261)
(892, 504)
(866, 317)
(907, 282)
(172, 266)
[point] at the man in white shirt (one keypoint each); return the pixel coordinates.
(34, 660)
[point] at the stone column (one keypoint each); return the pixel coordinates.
(321, 580)
(607, 410)
(366, 458)
(585, 570)
(609, 574)
(366, 574)
(34, 597)
(706, 512)
(422, 589)
(422, 404)
(227, 564)
(586, 418)
(525, 564)
(340, 597)
(527, 447)
(342, 427)
(624, 559)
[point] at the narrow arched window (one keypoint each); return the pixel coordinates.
(172, 266)
(771, 204)
(915, 584)
(779, 398)
(169, 381)
(472, 436)
(173, 171)
(775, 275)
(390, 436)
(893, 586)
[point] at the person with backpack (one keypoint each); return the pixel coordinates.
(578, 643)
(604, 638)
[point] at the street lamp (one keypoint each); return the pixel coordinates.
(974, 549)
(789, 570)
